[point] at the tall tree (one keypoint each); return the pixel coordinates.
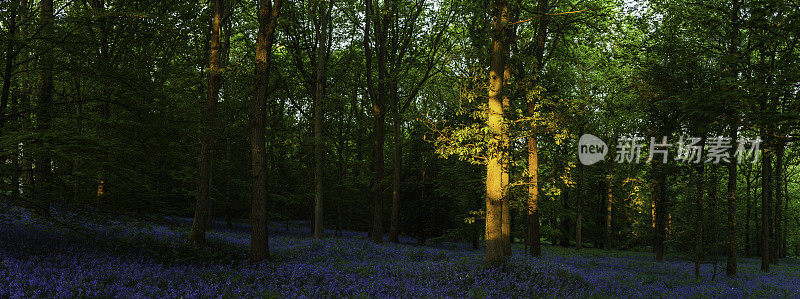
(495, 156)
(322, 33)
(698, 221)
(766, 202)
(202, 211)
(377, 95)
(8, 70)
(777, 222)
(268, 13)
(24, 107)
(579, 193)
(609, 202)
(99, 7)
(44, 115)
(533, 237)
(733, 71)
(409, 73)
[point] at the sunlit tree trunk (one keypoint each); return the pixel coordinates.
(202, 211)
(533, 238)
(505, 215)
(267, 21)
(494, 171)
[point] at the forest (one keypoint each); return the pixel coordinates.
(399, 148)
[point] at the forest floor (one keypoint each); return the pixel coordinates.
(130, 256)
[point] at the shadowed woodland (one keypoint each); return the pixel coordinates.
(392, 139)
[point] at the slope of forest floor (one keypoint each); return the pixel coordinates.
(148, 257)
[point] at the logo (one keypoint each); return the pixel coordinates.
(591, 149)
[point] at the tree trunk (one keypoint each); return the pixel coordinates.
(748, 214)
(698, 227)
(319, 99)
(494, 171)
(202, 211)
(267, 21)
(579, 192)
(660, 213)
(394, 230)
(25, 115)
(44, 107)
(766, 201)
(565, 225)
(377, 189)
(712, 213)
(777, 222)
(534, 244)
(533, 238)
(730, 267)
(8, 73)
(340, 179)
(609, 203)
(505, 214)
(378, 99)
(105, 108)
(784, 248)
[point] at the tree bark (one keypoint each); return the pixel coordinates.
(99, 10)
(505, 214)
(378, 98)
(712, 213)
(44, 107)
(660, 213)
(698, 227)
(579, 192)
(730, 266)
(730, 269)
(8, 73)
(766, 201)
(25, 115)
(494, 171)
(319, 99)
(609, 203)
(777, 222)
(533, 238)
(748, 214)
(202, 211)
(394, 230)
(268, 13)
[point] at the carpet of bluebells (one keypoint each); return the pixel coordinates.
(126, 256)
